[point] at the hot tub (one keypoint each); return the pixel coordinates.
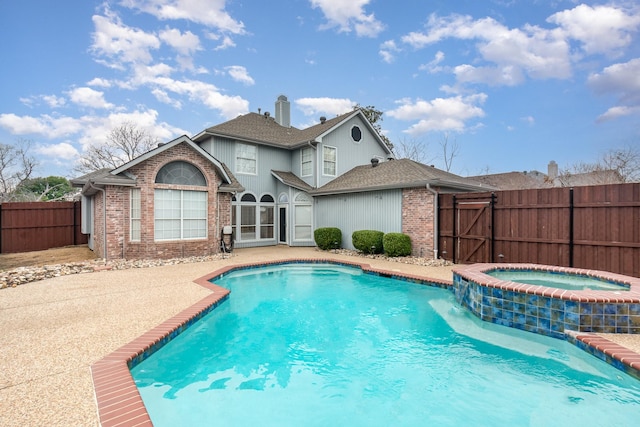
(593, 301)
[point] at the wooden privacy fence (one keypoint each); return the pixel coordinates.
(34, 226)
(594, 227)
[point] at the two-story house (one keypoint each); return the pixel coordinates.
(271, 182)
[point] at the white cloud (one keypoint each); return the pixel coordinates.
(61, 151)
(45, 125)
(388, 50)
(120, 43)
(240, 74)
(600, 29)
(210, 13)
(349, 16)
(330, 106)
(87, 97)
(100, 82)
(622, 79)
(185, 43)
(54, 101)
(440, 114)
(434, 66)
(164, 97)
(617, 112)
(510, 54)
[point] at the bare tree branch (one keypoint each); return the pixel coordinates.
(615, 166)
(412, 149)
(16, 166)
(450, 150)
(123, 144)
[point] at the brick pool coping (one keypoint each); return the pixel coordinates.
(119, 402)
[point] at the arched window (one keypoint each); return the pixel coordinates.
(254, 220)
(180, 214)
(180, 173)
(283, 198)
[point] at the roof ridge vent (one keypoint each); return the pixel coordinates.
(323, 119)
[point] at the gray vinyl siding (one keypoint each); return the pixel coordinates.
(268, 158)
(349, 153)
(375, 210)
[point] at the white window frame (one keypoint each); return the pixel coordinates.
(308, 163)
(302, 200)
(325, 161)
(246, 154)
(183, 216)
(135, 216)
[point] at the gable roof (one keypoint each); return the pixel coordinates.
(292, 180)
(120, 177)
(402, 173)
(263, 129)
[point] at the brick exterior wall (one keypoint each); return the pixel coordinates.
(119, 243)
(418, 220)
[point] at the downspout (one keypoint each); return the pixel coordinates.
(104, 217)
(435, 220)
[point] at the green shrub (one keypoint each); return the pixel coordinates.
(368, 241)
(396, 244)
(328, 238)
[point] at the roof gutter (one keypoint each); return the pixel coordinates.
(435, 220)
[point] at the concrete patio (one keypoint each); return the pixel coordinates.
(55, 329)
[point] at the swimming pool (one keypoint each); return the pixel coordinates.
(328, 345)
(551, 279)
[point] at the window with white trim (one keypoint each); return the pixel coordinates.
(246, 159)
(267, 216)
(302, 217)
(180, 214)
(306, 162)
(135, 215)
(329, 160)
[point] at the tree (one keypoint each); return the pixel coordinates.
(47, 189)
(412, 149)
(450, 150)
(123, 144)
(375, 117)
(16, 166)
(616, 165)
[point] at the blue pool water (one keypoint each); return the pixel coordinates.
(574, 282)
(325, 345)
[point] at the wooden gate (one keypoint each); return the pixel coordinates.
(466, 230)
(474, 237)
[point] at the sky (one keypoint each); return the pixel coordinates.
(513, 84)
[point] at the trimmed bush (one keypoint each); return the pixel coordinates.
(368, 241)
(328, 238)
(396, 244)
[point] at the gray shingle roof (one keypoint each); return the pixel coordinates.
(292, 180)
(403, 173)
(260, 128)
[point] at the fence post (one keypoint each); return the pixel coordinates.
(453, 230)
(571, 227)
(492, 221)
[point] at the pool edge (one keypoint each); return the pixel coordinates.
(119, 402)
